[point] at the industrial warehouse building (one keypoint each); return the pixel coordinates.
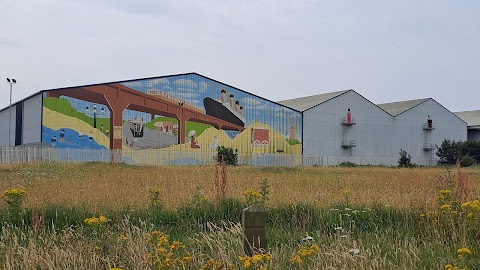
(345, 126)
(472, 118)
(181, 119)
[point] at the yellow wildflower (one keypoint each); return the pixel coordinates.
(445, 191)
(91, 221)
(345, 192)
(446, 207)
(252, 193)
(257, 257)
(462, 252)
(102, 219)
(296, 260)
(14, 192)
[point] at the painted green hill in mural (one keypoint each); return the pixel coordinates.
(198, 127)
(63, 106)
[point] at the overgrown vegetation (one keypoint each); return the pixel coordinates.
(467, 152)
(204, 232)
(405, 159)
(227, 154)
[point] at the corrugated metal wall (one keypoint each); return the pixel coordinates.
(4, 119)
(377, 135)
(32, 119)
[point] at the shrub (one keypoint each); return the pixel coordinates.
(229, 156)
(405, 159)
(347, 164)
(448, 152)
(467, 161)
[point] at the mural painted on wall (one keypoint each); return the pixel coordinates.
(189, 113)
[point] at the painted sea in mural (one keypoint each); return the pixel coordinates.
(187, 113)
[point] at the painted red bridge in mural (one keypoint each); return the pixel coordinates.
(118, 98)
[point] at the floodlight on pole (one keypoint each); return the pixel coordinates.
(11, 82)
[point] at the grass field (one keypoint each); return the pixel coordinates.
(357, 218)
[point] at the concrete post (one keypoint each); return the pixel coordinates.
(255, 238)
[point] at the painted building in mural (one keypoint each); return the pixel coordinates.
(188, 113)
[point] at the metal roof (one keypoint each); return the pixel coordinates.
(305, 103)
(396, 108)
(471, 117)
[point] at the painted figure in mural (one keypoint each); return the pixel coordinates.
(90, 135)
(101, 128)
(53, 140)
(62, 135)
(223, 96)
(241, 110)
(193, 141)
(106, 132)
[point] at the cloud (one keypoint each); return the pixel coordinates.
(133, 84)
(157, 82)
(256, 108)
(184, 83)
(167, 88)
(184, 95)
(281, 114)
(251, 101)
(187, 90)
(203, 87)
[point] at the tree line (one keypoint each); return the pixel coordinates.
(468, 152)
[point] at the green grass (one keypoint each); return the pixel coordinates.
(63, 106)
(198, 127)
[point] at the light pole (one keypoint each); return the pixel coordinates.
(11, 82)
(94, 113)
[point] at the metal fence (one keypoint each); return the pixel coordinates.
(19, 155)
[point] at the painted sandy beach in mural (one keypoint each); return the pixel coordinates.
(187, 113)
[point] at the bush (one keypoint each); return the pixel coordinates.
(448, 152)
(467, 161)
(228, 155)
(405, 159)
(347, 164)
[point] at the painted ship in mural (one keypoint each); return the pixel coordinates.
(230, 111)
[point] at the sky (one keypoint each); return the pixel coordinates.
(277, 49)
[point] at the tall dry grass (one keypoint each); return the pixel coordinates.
(125, 247)
(117, 186)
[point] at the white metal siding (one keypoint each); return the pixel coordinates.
(379, 136)
(323, 131)
(412, 136)
(32, 119)
(4, 119)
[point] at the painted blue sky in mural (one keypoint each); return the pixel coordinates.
(193, 89)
